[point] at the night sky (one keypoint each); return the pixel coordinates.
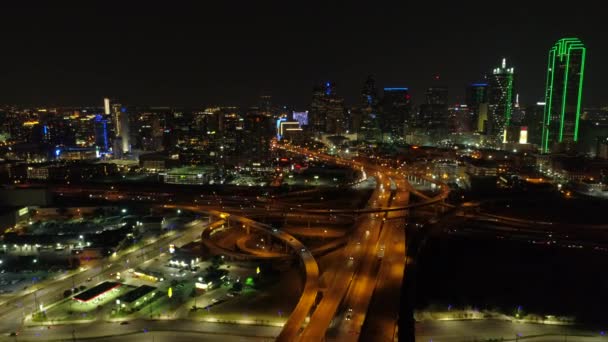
(170, 54)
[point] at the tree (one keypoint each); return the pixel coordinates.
(67, 293)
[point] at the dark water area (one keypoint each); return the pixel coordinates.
(505, 275)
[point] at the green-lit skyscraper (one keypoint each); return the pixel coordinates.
(563, 94)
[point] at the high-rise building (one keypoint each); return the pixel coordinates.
(500, 101)
(476, 94)
(437, 96)
(316, 120)
(457, 120)
(369, 126)
(563, 95)
(533, 121)
(100, 125)
(434, 112)
(327, 110)
(396, 112)
(119, 118)
(265, 105)
(106, 106)
(257, 133)
(124, 130)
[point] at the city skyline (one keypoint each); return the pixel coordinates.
(303, 172)
(170, 57)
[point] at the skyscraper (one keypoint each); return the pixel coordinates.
(369, 127)
(119, 119)
(533, 121)
(124, 130)
(100, 125)
(476, 95)
(396, 112)
(106, 106)
(327, 110)
(563, 94)
(434, 112)
(500, 101)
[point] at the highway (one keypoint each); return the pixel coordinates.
(365, 287)
(382, 312)
(311, 269)
(361, 248)
(356, 270)
(387, 255)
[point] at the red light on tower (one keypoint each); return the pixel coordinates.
(436, 77)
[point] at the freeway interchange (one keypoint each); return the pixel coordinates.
(351, 279)
(357, 299)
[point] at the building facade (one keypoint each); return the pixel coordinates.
(563, 95)
(500, 101)
(476, 98)
(395, 114)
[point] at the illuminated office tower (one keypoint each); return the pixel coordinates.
(100, 125)
(119, 117)
(106, 106)
(124, 130)
(563, 94)
(500, 101)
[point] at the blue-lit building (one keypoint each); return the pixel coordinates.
(100, 126)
